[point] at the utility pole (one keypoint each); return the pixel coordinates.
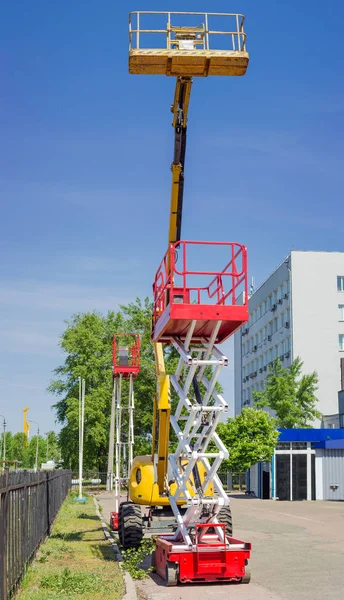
(4, 443)
(81, 431)
(109, 481)
(37, 440)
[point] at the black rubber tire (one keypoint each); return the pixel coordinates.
(130, 528)
(247, 576)
(171, 574)
(225, 516)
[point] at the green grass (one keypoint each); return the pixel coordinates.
(75, 561)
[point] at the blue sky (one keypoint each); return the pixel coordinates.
(85, 156)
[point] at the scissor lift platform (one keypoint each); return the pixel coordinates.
(126, 366)
(180, 300)
(189, 51)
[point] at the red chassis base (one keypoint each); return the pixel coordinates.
(207, 561)
(114, 521)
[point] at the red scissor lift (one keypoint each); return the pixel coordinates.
(126, 365)
(193, 310)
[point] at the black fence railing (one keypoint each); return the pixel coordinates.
(29, 503)
(95, 481)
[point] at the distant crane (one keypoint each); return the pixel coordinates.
(26, 427)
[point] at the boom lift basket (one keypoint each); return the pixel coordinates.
(197, 50)
(179, 298)
(126, 354)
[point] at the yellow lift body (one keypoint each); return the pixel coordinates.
(188, 52)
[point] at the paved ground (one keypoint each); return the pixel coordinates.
(298, 553)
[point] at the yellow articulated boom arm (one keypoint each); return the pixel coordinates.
(162, 407)
(179, 109)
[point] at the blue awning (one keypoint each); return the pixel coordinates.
(311, 435)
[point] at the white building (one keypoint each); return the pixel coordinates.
(297, 311)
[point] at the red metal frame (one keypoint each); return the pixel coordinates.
(209, 560)
(132, 343)
(114, 521)
(177, 303)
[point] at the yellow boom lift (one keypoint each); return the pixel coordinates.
(184, 484)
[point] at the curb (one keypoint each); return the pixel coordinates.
(130, 587)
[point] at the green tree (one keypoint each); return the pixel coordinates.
(9, 446)
(87, 343)
(42, 451)
(52, 447)
(20, 450)
(250, 438)
(290, 394)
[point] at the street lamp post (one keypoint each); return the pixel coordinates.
(4, 444)
(37, 438)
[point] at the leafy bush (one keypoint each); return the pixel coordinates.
(133, 558)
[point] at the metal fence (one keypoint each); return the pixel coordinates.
(29, 503)
(92, 481)
(95, 481)
(233, 482)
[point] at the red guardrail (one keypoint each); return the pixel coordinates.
(173, 280)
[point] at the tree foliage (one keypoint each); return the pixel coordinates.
(290, 394)
(87, 343)
(250, 438)
(17, 449)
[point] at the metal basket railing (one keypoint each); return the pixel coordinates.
(200, 34)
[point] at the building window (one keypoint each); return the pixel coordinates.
(341, 421)
(340, 283)
(341, 342)
(299, 445)
(283, 446)
(341, 312)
